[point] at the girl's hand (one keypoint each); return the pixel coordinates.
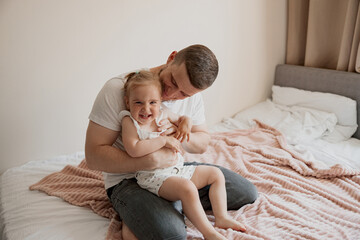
(173, 144)
(167, 127)
(184, 129)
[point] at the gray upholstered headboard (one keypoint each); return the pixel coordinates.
(321, 80)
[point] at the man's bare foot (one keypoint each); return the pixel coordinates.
(228, 222)
(127, 234)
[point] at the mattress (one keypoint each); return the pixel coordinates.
(29, 214)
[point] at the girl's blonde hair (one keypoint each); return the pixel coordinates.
(141, 78)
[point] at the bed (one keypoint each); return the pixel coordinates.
(300, 148)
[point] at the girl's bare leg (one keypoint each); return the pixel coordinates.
(175, 188)
(208, 175)
(126, 233)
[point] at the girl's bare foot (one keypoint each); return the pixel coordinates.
(228, 222)
(214, 236)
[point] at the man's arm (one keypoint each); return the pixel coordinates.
(101, 155)
(199, 139)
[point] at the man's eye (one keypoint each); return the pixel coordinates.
(173, 82)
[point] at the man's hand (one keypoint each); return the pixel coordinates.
(162, 158)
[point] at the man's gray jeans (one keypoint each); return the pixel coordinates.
(151, 217)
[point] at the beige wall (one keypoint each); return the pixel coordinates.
(56, 55)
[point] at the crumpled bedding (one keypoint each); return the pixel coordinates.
(298, 198)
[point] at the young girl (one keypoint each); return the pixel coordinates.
(179, 182)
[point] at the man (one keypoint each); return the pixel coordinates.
(144, 215)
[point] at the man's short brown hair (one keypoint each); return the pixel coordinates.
(201, 65)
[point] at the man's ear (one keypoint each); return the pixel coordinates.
(172, 56)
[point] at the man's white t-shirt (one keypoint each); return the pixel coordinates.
(110, 102)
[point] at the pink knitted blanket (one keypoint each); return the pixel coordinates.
(80, 186)
(298, 198)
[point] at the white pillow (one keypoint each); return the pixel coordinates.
(298, 124)
(304, 124)
(266, 112)
(344, 108)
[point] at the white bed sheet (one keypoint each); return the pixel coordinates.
(33, 215)
(26, 214)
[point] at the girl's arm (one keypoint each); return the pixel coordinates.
(137, 148)
(101, 155)
(184, 129)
